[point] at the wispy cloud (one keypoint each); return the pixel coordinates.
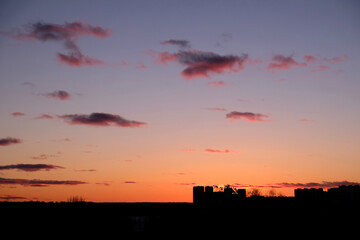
(100, 119)
(18, 114)
(249, 116)
(323, 184)
(68, 34)
(10, 197)
(59, 94)
(179, 43)
(9, 141)
(38, 182)
(130, 182)
(280, 62)
(30, 167)
(336, 59)
(210, 150)
(44, 116)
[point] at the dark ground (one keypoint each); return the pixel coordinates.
(265, 217)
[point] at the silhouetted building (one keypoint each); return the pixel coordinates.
(205, 196)
(309, 194)
(344, 193)
(198, 195)
(339, 194)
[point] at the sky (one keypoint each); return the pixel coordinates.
(139, 101)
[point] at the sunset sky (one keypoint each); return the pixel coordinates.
(139, 101)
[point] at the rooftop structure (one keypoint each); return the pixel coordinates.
(206, 196)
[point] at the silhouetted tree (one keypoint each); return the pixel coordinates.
(254, 192)
(75, 199)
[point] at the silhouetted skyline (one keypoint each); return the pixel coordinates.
(141, 100)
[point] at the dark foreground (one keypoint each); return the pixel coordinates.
(265, 217)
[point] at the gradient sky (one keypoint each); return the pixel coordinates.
(139, 101)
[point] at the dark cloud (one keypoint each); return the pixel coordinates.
(60, 94)
(9, 140)
(9, 197)
(100, 119)
(68, 34)
(130, 182)
(37, 182)
(200, 64)
(249, 116)
(323, 184)
(180, 43)
(30, 167)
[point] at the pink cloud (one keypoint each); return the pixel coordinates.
(280, 62)
(44, 116)
(76, 59)
(17, 114)
(249, 116)
(304, 120)
(320, 68)
(336, 59)
(310, 59)
(165, 57)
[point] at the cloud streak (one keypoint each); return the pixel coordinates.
(18, 114)
(68, 34)
(38, 183)
(280, 62)
(179, 43)
(323, 184)
(59, 94)
(210, 150)
(30, 167)
(101, 119)
(248, 116)
(9, 141)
